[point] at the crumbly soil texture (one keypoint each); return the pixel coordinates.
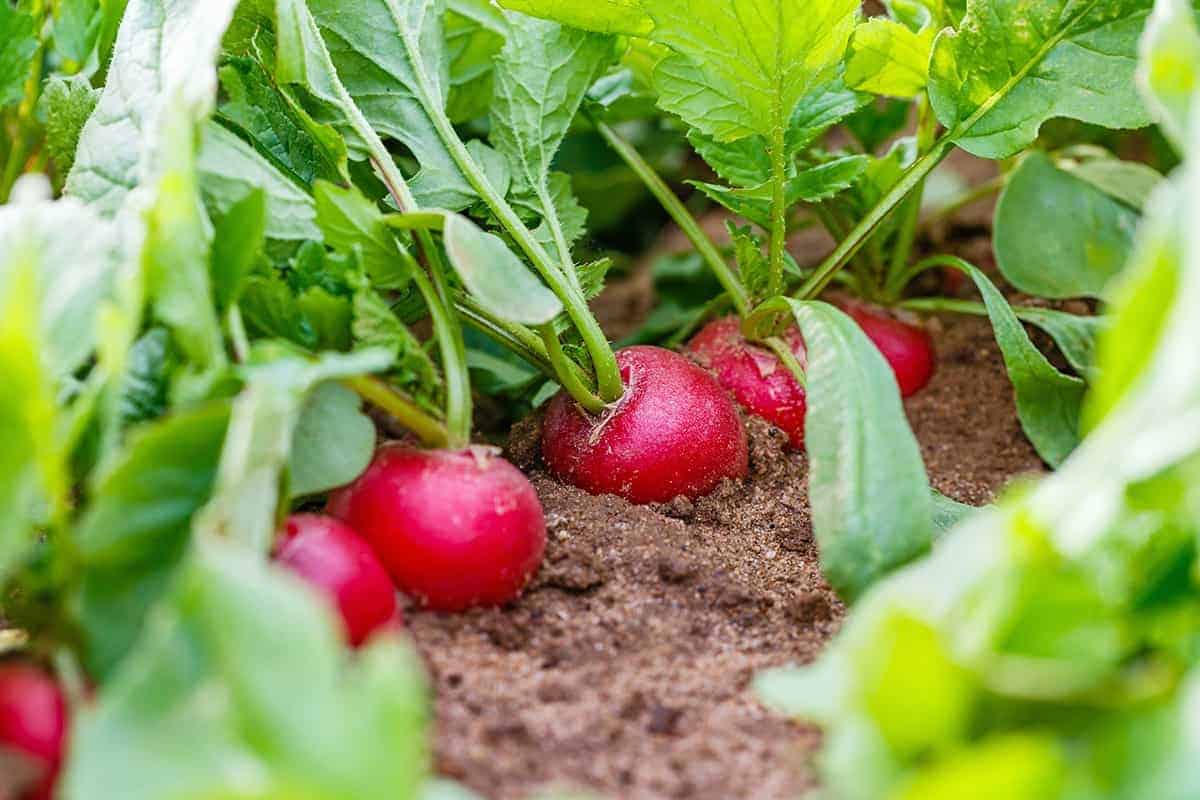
(625, 669)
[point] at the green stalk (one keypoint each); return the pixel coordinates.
(454, 358)
(778, 209)
(567, 376)
(402, 408)
(972, 195)
(678, 212)
(784, 353)
(518, 338)
(608, 374)
(901, 279)
(911, 213)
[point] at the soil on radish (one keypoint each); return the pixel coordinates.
(625, 667)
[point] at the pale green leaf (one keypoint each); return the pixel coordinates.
(165, 54)
(230, 170)
(352, 223)
(66, 103)
(1169, 66)
(870, 496)
(602, 16)
(333, 442)
(1058, 236)
(1013, 64)
(888, 58)
(1075, 336)
(1128, 181)
(495, 277)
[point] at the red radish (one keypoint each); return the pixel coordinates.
(908, 348)
(674, 432)
(329, 555)
(754, 375)
(454, 529)
(33, 724)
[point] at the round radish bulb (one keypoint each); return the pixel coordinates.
(454, 529)
(908, 348)
(33, 724)
(329, 555)
(754, 375)
(674, 432)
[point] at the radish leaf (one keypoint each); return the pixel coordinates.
(1013, 64)
(1057, 236)
(333, 442)
(1169, 66)
(17, 31)
(888, 58)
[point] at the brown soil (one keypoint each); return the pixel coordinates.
(624, 668)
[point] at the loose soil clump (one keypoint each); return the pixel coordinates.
(625, 668)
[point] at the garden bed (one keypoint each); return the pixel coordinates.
(625, 667)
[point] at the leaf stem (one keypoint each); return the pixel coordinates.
(972, 195)
(568, 377)
(911, 212)
(678, 212)
(517, 338)
(867, 226)
(778, 208)
(784, 353)
(402, 408)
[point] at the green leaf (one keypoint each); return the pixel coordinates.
(376, 325)
(1060, 58)
(390, 58)
(278, 125)
(74, 256)
(604, 16)
(1075, 335)
(165, 54)
(869, 492)
(262, 427)
(241, 688)
(143, 393)
(238, 239)
(541, 77)
(231, 170)
(1170, 62)
(17, 31)
(1048, 402)
(1013, 767)
(808, 185)
(475, 32)
(753, 268)
(1057, 236)
(66, 104)
(495, 277)
(333, 442)
(888, 58)
(352, 223)
(1128, 181)
(135, 529)
(948, 513)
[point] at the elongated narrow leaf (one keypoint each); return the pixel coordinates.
(165, 53)
(1013, 64)
(1169, 66)
(230, 170)
(496, 277)
(1048, 402)
(1058, 236)
(242, 676)
(870, 495)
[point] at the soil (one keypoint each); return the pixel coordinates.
(625, 667)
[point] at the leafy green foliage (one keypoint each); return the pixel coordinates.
(1057, 236)
(1169, 65)
(353, 224)
(1061, 59)
(66, 104)
(475, 32)
(867, 484)
(333, 442)
(20, 44)
(888, 58)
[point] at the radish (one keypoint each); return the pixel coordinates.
(33, 724)
(674, 432)
(908, 348)
(754, 375)
(455, 529)
(330, 556)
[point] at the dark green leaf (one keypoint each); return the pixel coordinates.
(352, 223)
(143, 393)
(17, 31)
(238, 240)
(66, 104)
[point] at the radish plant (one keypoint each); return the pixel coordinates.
(1034, 642)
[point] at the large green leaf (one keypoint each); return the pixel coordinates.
(870, 496)
(541, 77)
(241, 687)
(475, 32)
(1058, 236)
(1013, 64)
(333, 442)
(604, 16)
(889, 58)
(165, 54)
(230, 170)
(19, 34)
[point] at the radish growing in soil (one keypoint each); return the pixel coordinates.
(675, 432)
(456, 529)
(332, 557)
(907, 347)
(33, 724)
(755, 376)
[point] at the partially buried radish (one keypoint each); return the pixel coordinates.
(908, 348)
(33, 726)
(754, 375)
(330, 556)
(674, 432)
(455, 529)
